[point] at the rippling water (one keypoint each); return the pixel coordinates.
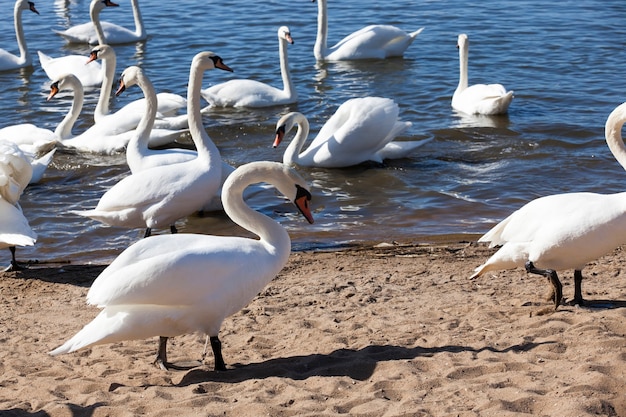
(564, 60)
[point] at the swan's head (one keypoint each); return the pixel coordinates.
(285, 33)
(129, 77)
(97, 5)
(295, 188)
(208, 60)
(285, 124)
(100, 52)
(26, 5)
(65, 82)
(461, 41)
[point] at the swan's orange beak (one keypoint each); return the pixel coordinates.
(120, 89)
(54, 89)
(289, 38)
(303, 197)
(280, 134)
(93, 55)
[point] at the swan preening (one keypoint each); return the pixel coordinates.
(157, 197)
(251, 93)
(15, 174)
(170, 285)
(101, 32)
(487, 99)
(361, 130)
(371, 42)
(8, 61)
(563, 231)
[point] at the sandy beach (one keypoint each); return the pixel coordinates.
(371, 330)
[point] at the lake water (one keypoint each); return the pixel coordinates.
(564, 60)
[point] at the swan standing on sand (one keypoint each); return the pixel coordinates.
(170, 285)
(159, 196)
(487, 99)
(8, 61)
(15, 174)
(371, 42)
(101, 32)
(361, 130)
(563, 231)
(251, 93)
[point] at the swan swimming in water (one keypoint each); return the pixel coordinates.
(102, 32)
(170, 285)
(371, 42)
(563, 231)
(8, 61)
(251, 93)
(157, 197)
(487, 99)
(361, 130)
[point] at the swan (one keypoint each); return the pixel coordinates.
(89, 75)
(157, 197)
(101, 32)
(170, 285)
(8, 61)
(251, 93)
(128, 116)
(15, 174)
(362, 129)
(487, 99)
(563, 231)
(371, 42)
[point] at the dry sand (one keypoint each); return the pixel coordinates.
(365, 331)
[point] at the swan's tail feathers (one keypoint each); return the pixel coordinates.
(40, 165)
(478, 271)
(417, 32)
(400, 149)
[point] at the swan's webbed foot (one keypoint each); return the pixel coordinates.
(14, 265)
(216, 345)
(557, 287)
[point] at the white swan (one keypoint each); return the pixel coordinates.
(251, 93)
(563, 231)
(89, 75)
(101, 32)
(175, 284)
(487, 99)
(15, 174)
(8, 61)
(362, 129)
(159, 196)
(128, 116)
(371, 42)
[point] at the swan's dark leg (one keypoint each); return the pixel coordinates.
(578, 287)
(161, 359)
(148, 232)
(173, 229)
(14, 266)
(216, 345)
(552, 277)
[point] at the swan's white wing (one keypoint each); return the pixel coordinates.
(84, 32)
(88, 75)
(243, 93)
(372, 42)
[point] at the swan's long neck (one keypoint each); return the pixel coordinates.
(63, 130)
(25, 57)
(292, 153)
(268, 230)
(319, 50)
(102, 108)
(463, 57)
(288, 86)
(94, 14)
(613, 134)
(140, 30)
(204, 145)
(137, 147)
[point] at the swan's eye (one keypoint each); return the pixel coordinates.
(302, 192)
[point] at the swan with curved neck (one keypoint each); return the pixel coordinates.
(157, 197)
(103, 32)
(361, 130)
(487, 99)
(8, 61)
(371, 42)
(563, 231)
(169, 285)
(251, 93)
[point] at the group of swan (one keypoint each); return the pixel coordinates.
(563, 231)
(169, 285)
(15, 174)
